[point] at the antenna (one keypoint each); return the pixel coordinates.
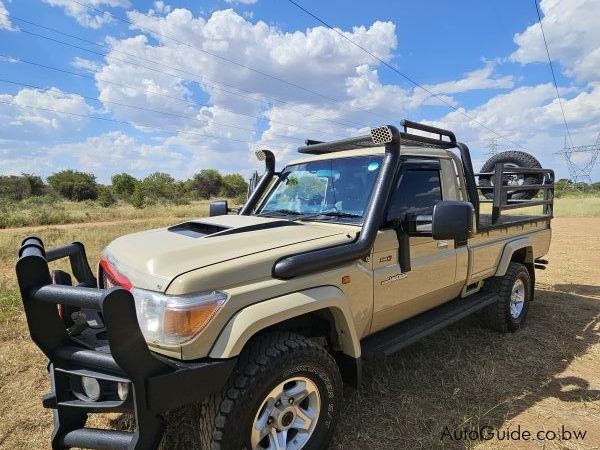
(580, 171)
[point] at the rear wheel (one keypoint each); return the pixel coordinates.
(514, 291)
(285, 394)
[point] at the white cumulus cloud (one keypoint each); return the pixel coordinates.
(5, 23)
(573, 36)
(89, 17)
(33, 110)
(243, 2)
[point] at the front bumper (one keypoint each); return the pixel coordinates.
(113, 352)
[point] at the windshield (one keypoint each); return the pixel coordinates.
(324, 190)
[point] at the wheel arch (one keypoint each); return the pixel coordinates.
(319, 311)
(519, 250)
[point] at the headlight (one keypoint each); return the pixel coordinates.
(172, 320)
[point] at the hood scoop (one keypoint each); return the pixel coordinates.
(202, 229)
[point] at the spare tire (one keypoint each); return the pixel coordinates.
(512, 159)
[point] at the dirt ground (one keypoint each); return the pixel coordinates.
(546, 377)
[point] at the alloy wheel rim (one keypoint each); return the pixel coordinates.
(517, 298)
(287, 416)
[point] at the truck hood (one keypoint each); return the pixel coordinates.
(152, 259)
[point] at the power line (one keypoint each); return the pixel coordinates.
(124, 122)
(160, 94)
(222, 58)
(406, 77)
(201, 76)
(562, 109)
(156, 111)
(202, 83)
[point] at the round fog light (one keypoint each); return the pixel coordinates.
(123, 390)
(91, 388)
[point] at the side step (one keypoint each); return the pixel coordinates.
(396, 337)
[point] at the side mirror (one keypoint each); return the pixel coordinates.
(452, 220)
(218, 208)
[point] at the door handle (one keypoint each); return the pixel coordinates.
(442, 244)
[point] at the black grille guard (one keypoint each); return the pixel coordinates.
(156, 383)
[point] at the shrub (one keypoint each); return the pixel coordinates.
(138, 199)
(123, 185)
(84, 191)
(36, 184)
(105, 197)
(234, 186)
(74, 185)
(159, 186)
(207, 183)
(14, 188)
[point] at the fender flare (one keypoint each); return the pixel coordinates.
(254, 318)
(508, 252)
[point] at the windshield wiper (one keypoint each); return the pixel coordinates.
(341, 214)
(332, 214)
(280, 211)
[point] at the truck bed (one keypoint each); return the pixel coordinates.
(485, 220)
(487, 245)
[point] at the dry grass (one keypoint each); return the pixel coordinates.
(64, 212)
(544, 376)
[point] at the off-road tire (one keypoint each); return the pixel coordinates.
(518, 159)
(497, 315)
(226, 418)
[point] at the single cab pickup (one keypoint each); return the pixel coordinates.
(358, 248)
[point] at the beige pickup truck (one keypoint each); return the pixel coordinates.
(358, 248)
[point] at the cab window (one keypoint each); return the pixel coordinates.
(417, 192)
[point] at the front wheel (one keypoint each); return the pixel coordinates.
(285, 394)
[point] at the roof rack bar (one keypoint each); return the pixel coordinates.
(332, 146)
(428, 129)
(426, 140)
(318, 147)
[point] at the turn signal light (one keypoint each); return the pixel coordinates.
(188, 322)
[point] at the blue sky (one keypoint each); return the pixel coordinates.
(164, 97)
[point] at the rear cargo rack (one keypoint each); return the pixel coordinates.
(156, 384)
(500, 201)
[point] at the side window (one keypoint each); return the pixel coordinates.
(417, 192)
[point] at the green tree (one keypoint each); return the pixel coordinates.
(234, 185)
(123, 185)
(159, 186)
(36, 184)
(138, 199)
(207, 183)
(106, 197)
(74, 185)
(14, 188)
(561, 186)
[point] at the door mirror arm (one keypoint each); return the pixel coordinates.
(403, 244)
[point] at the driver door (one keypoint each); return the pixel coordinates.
(431, 280)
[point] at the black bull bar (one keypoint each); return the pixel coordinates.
(115, 352)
